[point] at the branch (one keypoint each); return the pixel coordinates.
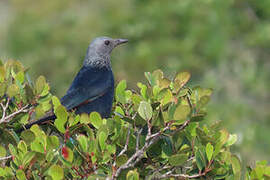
(5, 158)
(170, 174)
(127, 141)
(138, 139)
(138, 155)
(4, 107)
(9, 117)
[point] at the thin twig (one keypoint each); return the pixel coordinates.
(189, 102)
(138, 139)
(160, 132)
(4, 107)
(127, 141)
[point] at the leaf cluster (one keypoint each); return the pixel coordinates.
(156, 133)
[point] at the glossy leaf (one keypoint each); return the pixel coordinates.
(181, 113)
(56, 172)
(95, 119)
(132, 175)
(209, 151)
(178, 159)
(145, 110)
(40, 84)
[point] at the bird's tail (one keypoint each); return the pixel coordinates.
(40, 121)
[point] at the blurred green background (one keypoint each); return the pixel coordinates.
(225, 44)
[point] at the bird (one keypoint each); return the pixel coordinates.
(93, 87)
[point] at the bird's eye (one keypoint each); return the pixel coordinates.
(107, 42)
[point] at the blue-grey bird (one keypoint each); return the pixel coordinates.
(93, 87)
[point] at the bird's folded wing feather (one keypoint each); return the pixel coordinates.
(88, 85)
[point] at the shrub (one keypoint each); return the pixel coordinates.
(155, 133)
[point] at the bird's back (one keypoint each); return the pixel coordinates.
(91, 90)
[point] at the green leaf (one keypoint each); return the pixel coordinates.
(132, 175)
(73, 121)
(198, 117)
(20, 77)
(232, 139)
(29, 92)
(224, 136)
(2, 73)
(28, 136)
(28, 157)
(209, 151)
(52, 142)
(12, 150)
(3, 88)
(120, 160)
(45, 90)
(83, 142)
(13, 90)
(143, 90)
(203, 101)
(62, 115)
(178, 159)
(56, 172)
(55, 102)
(181, 113)
(20, 175)
(236, 166)
(145, 110)
(24, 119)
(111, 149)
(151, 79)
(191, 128)
(120, 91)
(95, 119)
(165, 96)
(40, 84)
(200, 158)
(84, 118)
(3, 151)
(22, 147)
(37, 146)
(102, 137)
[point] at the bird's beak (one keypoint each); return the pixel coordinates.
(119, 41)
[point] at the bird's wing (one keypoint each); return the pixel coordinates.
(88, 85)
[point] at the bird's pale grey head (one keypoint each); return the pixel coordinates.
(99, 50)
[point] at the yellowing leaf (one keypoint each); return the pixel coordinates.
(181, 112)
(56, 172)
(180, 80)
(84, 119)
(3, 151)
(13, 90)
(20, 76)
(40, 84)
(132, 175)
